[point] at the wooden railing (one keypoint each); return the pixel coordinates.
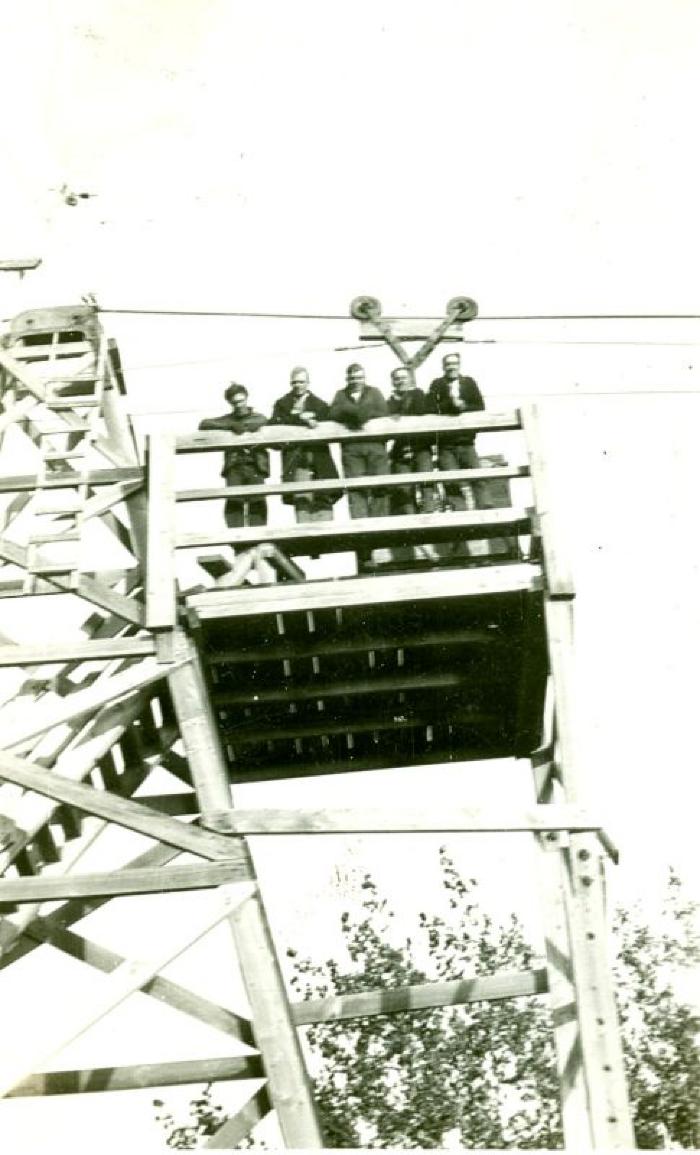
(164, 536)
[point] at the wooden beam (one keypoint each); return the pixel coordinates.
(281, 435)
(311, 691)
(272, 730)
(87, 748)
(82, 586)
(533, 677)
(19, 483)
(17, 412)
(161, 606)
(55, 652)
(83, 702)
(410, 329)
(275, 1035)
(118, 882)
(558, 573)
(334, 537)
(177, 997)
(366, 591)
(30, 934)
(133, 1078)
(238, 1126)
(426, 820)
(110, 496)
(422, 997)
(73, 1021)
(359, 643)
(23, 375)
(384, 480)
(122, 811)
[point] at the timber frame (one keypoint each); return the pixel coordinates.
(158, 677)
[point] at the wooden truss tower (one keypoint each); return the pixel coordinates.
(456, 648)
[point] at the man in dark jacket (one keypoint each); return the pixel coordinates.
(305, 462)
(412, 454)
(353, 407)
(245, 464)
(449, 396)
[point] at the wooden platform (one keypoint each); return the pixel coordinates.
(362, 673)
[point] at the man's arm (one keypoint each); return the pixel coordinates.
(373, 404)
(471, 394)
(346, 412)
(223, 422)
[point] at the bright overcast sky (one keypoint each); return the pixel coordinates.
(283, 157)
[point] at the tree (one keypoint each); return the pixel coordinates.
(660, 1032)
(484, 1074)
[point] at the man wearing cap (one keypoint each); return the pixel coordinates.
(300, 462)
(449, 396)
(353, 407)
(244, 464)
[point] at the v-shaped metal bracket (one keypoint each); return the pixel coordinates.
(369, 310)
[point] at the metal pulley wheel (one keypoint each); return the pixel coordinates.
(462, 308)
(366, 309)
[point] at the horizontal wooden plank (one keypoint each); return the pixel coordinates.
(390, 480)
(22, 655)
(21, 265)
(132, 1078)
(45, 888)
(411, 329)
(19, 483)
(325, 431)
(358, 644)
(403, 820)
(288, 692)
(422, 997)
(328, 537)
(375, 590)
(404, 718)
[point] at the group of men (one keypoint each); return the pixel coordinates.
(353, 406)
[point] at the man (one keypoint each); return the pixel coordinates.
(449, 396)
(353, 407)
(305, 462)
(409, 454)
(245, 464)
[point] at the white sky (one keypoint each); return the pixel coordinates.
(539, 157)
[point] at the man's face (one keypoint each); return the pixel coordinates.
(451, 366)
(239, 403)
(356, 378)
(299, 382)
(401, 381)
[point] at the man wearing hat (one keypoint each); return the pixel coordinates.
(243, 464)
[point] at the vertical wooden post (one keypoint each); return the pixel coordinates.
(161, 606)
(275, 1032)
(120, 434)
(581, 866)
